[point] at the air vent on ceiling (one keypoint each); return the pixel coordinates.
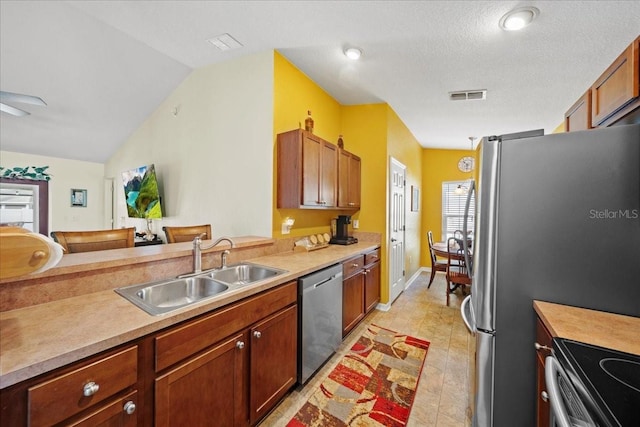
(225, 42)
(468, 95)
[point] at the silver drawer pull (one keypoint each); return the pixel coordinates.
(129, 407)
(257, 334)
(541, 347)
(545, 396)
(90, 389)
(355, 265)
(240, 345)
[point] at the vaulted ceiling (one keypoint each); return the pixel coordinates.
(104, 66)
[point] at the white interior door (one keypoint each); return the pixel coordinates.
(397, 173)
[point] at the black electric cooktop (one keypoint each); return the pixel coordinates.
(610, 380)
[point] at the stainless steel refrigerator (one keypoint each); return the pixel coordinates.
(558, 220)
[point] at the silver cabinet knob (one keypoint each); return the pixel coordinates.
(129, 407)
(545, 396)
(541, 347)
(90, 389)
(355, 265)
(240, 345)
(257, 334)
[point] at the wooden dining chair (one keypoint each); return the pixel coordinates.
(436, 265)
(457, 271)
(187, 233)
(98, 240)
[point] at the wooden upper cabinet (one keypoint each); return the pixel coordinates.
(348, 180)
(617, 91)
(307, 171)
(578, 117)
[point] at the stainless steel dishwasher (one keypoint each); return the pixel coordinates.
(320, 319)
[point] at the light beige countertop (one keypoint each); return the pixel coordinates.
(614, 331)
(43, 337)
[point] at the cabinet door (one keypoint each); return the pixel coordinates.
(578, 117)
(352, 302)
(348, 180)
(311, 167)
(206, 390)
(274, 352)
(618, 86)
(372, 286)
(119, 413)
(329, 175)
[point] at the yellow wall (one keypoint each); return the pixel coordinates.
(365, 134)
(402, 145)
(373, 132)
(437, 166)
(294, 95)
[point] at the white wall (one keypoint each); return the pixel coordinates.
(212, 145)
(65, 175)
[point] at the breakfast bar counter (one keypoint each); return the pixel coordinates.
(42, 337)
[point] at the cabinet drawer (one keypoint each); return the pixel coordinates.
(352, 266)
(372, 257)
(66, 395)
(184, 341)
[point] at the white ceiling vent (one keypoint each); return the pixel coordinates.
(468, 95)
(225, 42)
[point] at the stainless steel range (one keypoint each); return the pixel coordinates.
(593, 386)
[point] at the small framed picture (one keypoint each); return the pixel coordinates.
(415, 199)
(78, 198)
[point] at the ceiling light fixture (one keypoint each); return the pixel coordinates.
(518, 18)
(353, 53)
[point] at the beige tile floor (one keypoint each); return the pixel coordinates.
(443, 390)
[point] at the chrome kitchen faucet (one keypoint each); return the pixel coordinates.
(198, 248)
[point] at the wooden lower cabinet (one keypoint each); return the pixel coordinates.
(360, 288)
(372, 280)
(121, 412)
(205, 390)
(352, 301)
(544, 341)
(100, 391)
(228, 380)
(273, 361)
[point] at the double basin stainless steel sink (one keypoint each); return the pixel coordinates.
(167, 295)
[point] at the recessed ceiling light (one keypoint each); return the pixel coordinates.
(225, 42)
(518, 18)
(353, 53)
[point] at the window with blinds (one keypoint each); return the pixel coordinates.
(453, 203)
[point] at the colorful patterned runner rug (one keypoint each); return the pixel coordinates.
(373, 385)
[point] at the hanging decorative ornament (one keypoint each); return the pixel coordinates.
(308, 123)
(340, 142)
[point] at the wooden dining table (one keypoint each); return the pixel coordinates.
(441, 250)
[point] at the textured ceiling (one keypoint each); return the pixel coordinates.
(104, 66)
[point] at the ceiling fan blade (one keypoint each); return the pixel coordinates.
(23, 99)
(12, 110)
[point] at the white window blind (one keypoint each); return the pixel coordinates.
(453, 208)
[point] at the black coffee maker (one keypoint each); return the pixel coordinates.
(340, 236)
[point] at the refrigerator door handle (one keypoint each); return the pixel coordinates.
(465, 241)
(466, 311)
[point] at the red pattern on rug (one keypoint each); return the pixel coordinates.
(373, 385)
